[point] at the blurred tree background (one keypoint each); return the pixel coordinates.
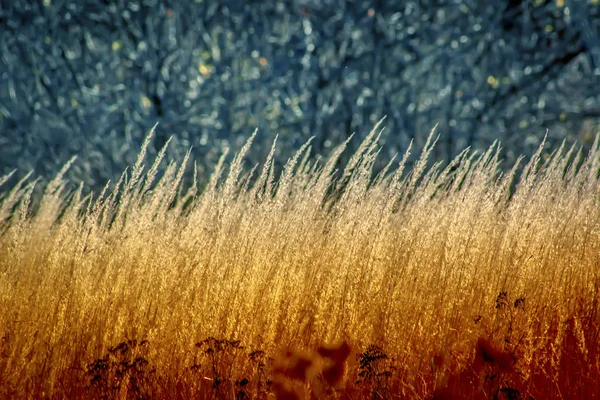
(90, 77)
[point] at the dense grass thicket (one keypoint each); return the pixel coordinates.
(439, 281)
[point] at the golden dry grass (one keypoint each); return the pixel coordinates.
(438, 282)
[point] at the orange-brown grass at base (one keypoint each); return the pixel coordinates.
(434, 282)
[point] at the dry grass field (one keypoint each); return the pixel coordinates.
(438, 281)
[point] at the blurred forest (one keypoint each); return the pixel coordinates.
(90, 78)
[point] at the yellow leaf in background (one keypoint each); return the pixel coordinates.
(263, 61)
(204, 69)
(146, 102)
(563, 117)
(523, 124)
(116, 45)
(549, 28)
(560, 3)
(492, 81)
